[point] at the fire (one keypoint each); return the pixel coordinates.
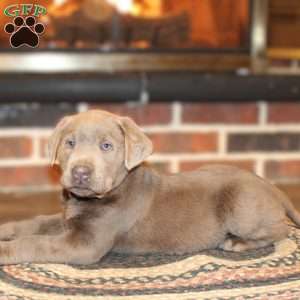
(123, 6)
(150, 8)
(59, 2)
(146, 8)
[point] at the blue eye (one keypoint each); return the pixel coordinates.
(106, 146)
(70, 143)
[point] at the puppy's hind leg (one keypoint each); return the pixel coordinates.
(259, 238)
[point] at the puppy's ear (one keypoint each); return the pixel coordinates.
(137, 145)
(55, 139)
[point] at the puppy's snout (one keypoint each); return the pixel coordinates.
(81, 175)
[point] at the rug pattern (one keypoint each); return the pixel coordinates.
(269, 273)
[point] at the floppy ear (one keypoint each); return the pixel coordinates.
(137, 145)
(55, 139)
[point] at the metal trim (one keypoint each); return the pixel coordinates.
(259, 62)
(287, 54)
(57, 62)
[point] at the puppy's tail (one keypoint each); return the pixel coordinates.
(291, 211)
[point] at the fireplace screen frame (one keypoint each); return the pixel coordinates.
(75, 61)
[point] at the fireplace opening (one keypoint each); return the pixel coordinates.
(108, 25)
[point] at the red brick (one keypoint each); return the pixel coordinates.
(150, 114)
(15, 147)
(287, 112)
(193, 165)
(184, 142)
(227, 113)
(264, 142)
(28, 176)
(43, 143)
(283, 170)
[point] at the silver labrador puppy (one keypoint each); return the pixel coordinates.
(112, 200)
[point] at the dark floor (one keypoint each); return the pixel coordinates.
(293, 191)
(16, 206)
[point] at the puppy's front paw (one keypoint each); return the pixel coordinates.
(7, 232)
(6, 254)
(233, 245)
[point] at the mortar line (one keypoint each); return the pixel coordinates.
(36, 155)
(260, 167)
(174, 166)
(222, 142)
(182, 128)
(262, 113)
(176, 114)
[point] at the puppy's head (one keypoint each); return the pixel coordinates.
(96, 150)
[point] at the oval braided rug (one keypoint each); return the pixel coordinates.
(269, 273)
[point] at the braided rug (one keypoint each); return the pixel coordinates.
(269, 273)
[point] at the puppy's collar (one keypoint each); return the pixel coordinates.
(106, 199)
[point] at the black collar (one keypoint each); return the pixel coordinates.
(67, 195)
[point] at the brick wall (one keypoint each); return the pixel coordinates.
(261, 137)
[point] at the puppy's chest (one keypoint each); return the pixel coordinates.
(80, 212)
(72, 211)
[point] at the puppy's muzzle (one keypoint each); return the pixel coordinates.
(81, 176)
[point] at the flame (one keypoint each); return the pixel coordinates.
(62, 8)
(154, 7)
(123, 6)
(148, 8)
(59, 2)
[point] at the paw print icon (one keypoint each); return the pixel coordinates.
(24, 32)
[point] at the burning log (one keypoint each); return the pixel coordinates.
(158, 32)
(119, 30)
(122, 30)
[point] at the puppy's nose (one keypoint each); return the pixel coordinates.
(81, 175)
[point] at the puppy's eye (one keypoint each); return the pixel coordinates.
(106, 146)
(70, 143)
